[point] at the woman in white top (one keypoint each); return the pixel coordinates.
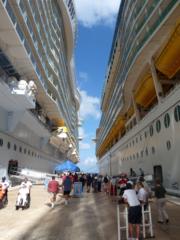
(134, 211)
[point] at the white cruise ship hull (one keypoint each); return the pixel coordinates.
(158, 154)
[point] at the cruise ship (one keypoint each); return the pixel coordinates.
(140, 103)
(39, 100)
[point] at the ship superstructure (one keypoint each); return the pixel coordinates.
(140, 122)
(39, 100)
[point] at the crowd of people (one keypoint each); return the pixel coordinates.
(132, 190)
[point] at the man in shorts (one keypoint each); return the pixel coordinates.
(134, 210)
(53, 189)
(67, 186)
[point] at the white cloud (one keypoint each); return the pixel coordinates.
(90, 161)
(89, 164)
(89, 106)
(82, 133)
(83, 76)
(95, 12)
(84, 146)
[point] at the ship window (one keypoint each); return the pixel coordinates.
(158, 126)
(146, 152)
(25, 150)
(134, 156)
(8, 145)
(32, 153)
(153, 150)
(145, 134)
(133, 142)
(1, 142)
(177, 113)
(15, 147)
(168, 144)
(140, 138)
(151, 130)
(142, 153)
(20, 149)
(166, 120)
(28, 152)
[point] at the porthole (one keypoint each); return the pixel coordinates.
(146, 152)
(166, 120)
(140, 137)
(168, 145)
(1, 142)
(151, 130)
(32, 153)
(133, 142)
(177, 113)
(153, 150)
(28, 152)
(20, 149)
(15, 147)
(8, 145)
(158, 126)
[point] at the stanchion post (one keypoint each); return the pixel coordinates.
(150, 221)
(143, 222)
(118, 220)
(127, 227)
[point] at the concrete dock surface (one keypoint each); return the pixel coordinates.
(91, 217)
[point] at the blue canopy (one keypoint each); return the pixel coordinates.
(67, 166)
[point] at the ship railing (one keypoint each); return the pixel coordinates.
(17, 175)
(41, 119)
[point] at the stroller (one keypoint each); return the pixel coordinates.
(23, 199)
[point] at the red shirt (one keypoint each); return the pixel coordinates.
(123, 182)
(53, 186)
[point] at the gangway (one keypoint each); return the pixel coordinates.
(122, 217)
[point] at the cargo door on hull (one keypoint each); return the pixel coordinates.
(158, 174)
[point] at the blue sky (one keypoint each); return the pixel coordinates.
(95, 32)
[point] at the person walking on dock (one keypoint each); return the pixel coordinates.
(67, 185)
(161, 202)
(53, 189)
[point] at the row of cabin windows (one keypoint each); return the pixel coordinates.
(145, 152)
(15, 148)
(167, 121)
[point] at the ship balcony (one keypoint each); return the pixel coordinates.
(16, 97)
